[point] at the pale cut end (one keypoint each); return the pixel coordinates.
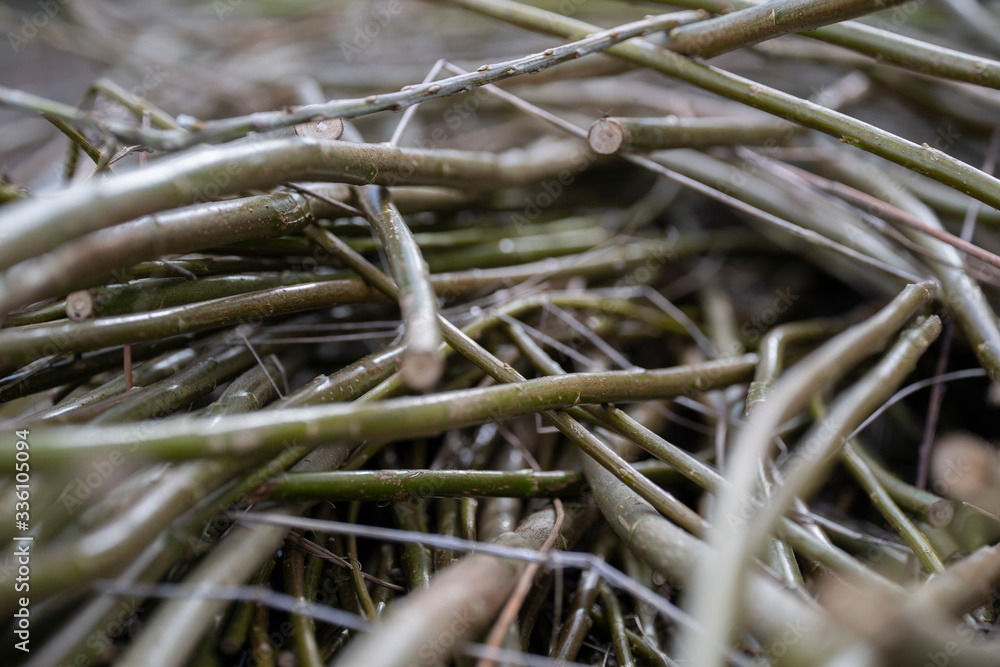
(321, 130)
(80, 305)
(606, 136)
(421, 371)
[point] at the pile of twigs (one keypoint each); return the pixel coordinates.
(282, 388)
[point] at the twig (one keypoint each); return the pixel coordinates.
(765, 21)
(422, 367)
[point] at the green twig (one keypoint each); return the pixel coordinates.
(421, 366)
(765, 21)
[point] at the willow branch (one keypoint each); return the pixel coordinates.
(610, 135)
(765, 21)
(397, 418)
(422, 367)
(398, 485)
(884, 46)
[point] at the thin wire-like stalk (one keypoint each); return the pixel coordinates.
(524, 582)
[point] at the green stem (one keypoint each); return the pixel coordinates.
(416, 557)
(467, 510)
(260, 638)
(619, 638)
(76, 138)
(397, 418)
(22, 345)
(346, 384)
(108, 88)
(421, 366)
(249, 392)
(74, 370)
(92, 259)
(401, 485)
(641, 644)
(888, 508)
(772, 352)
(577, 626)
(306, 649)
(759, 23)
(937, 511)
(243, 616)
(157, 294)
(610, 135)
